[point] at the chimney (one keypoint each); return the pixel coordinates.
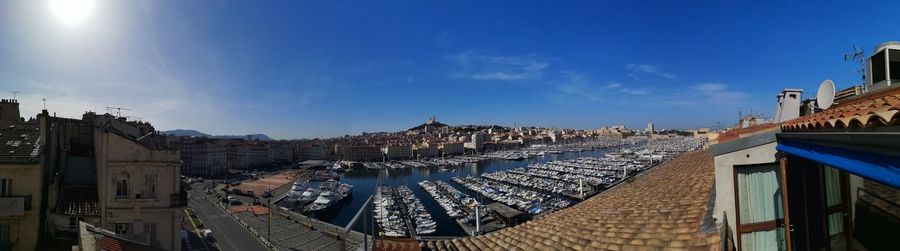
(788, 105)
(9, 112)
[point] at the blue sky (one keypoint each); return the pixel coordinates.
(299, 69)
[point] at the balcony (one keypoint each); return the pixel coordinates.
(14, 205)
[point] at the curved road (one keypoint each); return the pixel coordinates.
(228, 233)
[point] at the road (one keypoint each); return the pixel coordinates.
(228, 233)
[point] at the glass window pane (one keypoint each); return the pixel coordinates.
(759, 193)
(764, 240)
(878, 67)
(835, 223)
(832, 186)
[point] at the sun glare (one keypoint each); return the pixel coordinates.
(71, 11)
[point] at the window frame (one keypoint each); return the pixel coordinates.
(126, 187)
(6, 187)
(155, 186)
(783, 222)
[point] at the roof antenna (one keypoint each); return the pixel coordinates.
(14, 93)
(859, 56)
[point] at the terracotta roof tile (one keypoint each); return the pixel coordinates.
(867, 110)
(661, 210)
(396, 244)
(747, 131)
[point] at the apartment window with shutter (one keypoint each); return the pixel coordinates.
(5, 187)
(149, 185)
(122, 186)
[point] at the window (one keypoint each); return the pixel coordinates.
(122, 228)
(878, 67)
(5, 237)
(122, 186)
(894, 64)
(149, 185)
(833, 200)
(760, 210)
(5, 187)
(150, 231)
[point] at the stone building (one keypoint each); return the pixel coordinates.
(202, 157)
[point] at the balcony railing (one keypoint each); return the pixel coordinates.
(15, 205)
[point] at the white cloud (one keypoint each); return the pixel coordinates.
(634, 91)
(710, 87)
(708, 94)
(497, 67)
(640, 69)
(613, 85)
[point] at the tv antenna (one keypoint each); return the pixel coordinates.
(118, 110)
(825, 95)
(859, 56)
(14, 93)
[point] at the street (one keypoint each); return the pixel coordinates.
(228, 233)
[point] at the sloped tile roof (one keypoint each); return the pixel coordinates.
(396, 245)
(867, 110)
(20, 142)
(663, 209)
(747, 131)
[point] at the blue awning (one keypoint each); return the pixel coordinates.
(880, 168)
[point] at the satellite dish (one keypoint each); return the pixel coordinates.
(825, 96)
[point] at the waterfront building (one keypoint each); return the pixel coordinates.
(202, 157)
(427, 150)
(477, 142)
(361, 153)
(394, 152)
(258, 155)
(313, 152)
(649, 128)
(281, 153)
(455, 148)
(236, 155)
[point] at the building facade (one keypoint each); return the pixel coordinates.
(139, 189)
(203, 157)
(21, 184)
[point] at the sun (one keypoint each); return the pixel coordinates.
(71, 11)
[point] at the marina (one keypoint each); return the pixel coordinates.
(524, 183)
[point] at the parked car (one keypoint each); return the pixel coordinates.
(233, 201)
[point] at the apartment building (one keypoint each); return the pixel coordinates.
(139, 190)
(394, 152)
(21, 183)
(454, 148)
(202, 157)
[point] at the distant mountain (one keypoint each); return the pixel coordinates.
(184, 132)
(195, 133)
(260, 137)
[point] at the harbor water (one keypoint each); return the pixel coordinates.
(364, 182)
